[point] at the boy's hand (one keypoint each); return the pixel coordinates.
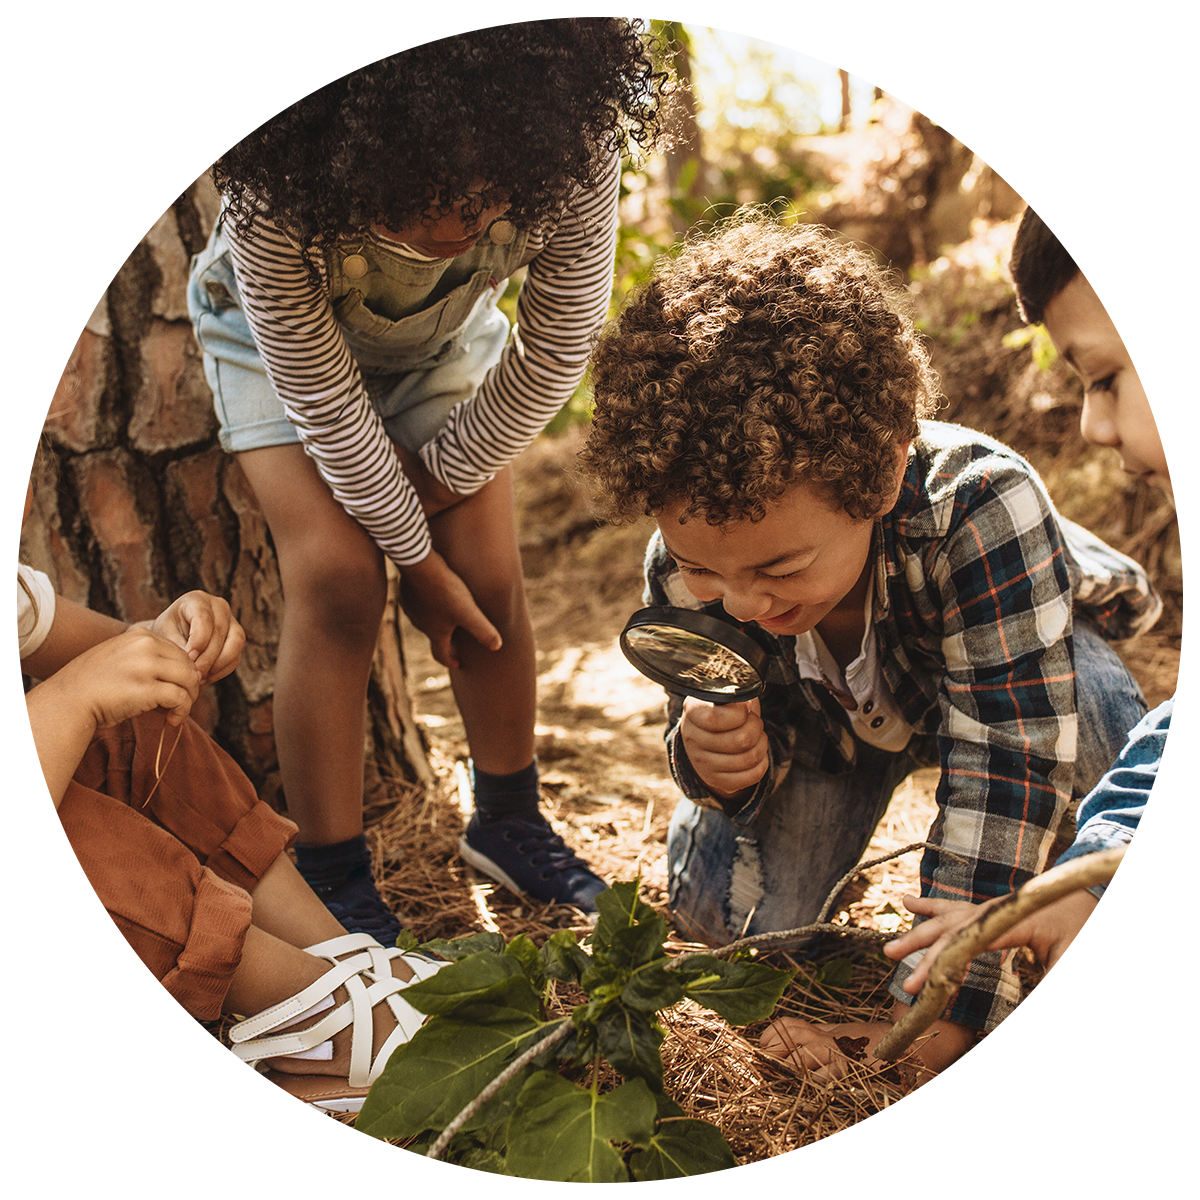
(726, 744)
(438, 602)
(204, 628)
(1047, 932)
(829, 1052)
(130, 675)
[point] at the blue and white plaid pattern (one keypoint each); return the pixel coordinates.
(978, 582)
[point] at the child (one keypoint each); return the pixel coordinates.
(1105, 256)
(189, 863)
(922, 601)
(363, 374)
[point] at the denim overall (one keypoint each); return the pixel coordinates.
(424, 335)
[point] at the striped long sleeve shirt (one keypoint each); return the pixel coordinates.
(562, 303)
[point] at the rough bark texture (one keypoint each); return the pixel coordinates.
(147, 506)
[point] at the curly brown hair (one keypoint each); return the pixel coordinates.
(759, 357)
(530, 108)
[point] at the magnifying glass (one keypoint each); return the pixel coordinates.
(694, 654)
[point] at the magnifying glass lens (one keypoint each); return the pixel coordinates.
(691, 659)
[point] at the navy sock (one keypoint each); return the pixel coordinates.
(341, 877)
(327, 866)
(514, 795)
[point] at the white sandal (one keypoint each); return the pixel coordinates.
(364, 970)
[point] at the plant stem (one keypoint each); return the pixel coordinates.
(514, 1068)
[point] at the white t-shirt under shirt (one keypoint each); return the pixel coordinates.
(861, 688)
(35, 609)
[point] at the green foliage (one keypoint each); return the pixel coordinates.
(1038, 340)
(550, 1121)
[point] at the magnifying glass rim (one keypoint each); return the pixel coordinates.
(706, 626)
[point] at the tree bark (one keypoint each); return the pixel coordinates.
(147, 506)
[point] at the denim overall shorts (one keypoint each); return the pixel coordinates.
(424, 335)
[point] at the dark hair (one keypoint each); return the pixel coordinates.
(761, 357)
(528, 108)
(1123, 189)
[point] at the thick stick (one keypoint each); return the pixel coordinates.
(950, 966)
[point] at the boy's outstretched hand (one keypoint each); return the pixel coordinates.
(829, 1052)
(726, 744)
(1047, 932)
(204, 628)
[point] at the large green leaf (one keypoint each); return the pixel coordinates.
(456, 948)
(630, 1043)
(561, 1131)
(479, 1170)
(618, 908)
(740, 991)
(653, 987)
(526, 953)
(429, 1080)
(481, 987)
(562, 957)
(682, 1147)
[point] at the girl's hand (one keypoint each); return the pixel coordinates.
(1047, 932)
(204, 628)
(129, 675)
(435, 496)
(438, 603)
(725, 743)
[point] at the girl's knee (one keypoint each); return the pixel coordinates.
(338, 586)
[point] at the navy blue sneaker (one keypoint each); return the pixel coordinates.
(530, 859)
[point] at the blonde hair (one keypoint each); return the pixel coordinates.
(18, 409)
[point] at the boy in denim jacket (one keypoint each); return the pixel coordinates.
(1108, 257)
(764, 398)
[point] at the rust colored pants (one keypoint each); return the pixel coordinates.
(175, 876)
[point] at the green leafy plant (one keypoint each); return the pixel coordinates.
(491, 1081)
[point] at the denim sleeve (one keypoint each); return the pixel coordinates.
(1152, 791)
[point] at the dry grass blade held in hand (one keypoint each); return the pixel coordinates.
(951, 964)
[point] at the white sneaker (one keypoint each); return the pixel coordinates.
(1170, 1146)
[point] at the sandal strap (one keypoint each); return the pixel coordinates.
(365, 986)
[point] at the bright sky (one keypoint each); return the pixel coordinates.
(801, 37)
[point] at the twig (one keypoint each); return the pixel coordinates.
(509, 1072)
(875, 862)
(950, 967)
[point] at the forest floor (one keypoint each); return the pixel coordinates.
(102, 1099)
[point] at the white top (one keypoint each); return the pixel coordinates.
(861, 688)
(35, 609)
(563, 302)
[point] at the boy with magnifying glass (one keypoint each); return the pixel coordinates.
(766, 400)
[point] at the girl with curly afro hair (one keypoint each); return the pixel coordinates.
(765, 399)
(374, 394)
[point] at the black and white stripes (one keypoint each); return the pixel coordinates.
(562, 303)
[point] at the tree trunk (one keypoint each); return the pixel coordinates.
(147, 506)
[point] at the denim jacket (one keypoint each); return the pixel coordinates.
(1152, 791)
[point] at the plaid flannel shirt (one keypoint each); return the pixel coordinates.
(977, 581)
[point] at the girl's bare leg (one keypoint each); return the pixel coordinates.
(496, 692)
(334, 588)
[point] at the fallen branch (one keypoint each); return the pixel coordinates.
(950, 967)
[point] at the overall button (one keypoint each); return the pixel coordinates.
(870, 704)
(502, 232)
(354, 266)
(875, 724)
